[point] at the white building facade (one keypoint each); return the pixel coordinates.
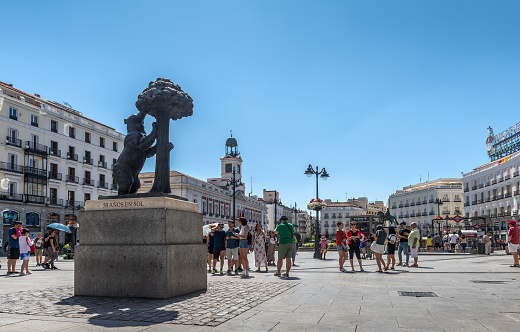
(423, 202)
(52, 160)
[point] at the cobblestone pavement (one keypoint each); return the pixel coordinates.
(223, 301)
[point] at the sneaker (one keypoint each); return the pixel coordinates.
(240, 269)
(343, 270)
(405, 264)
(353, 270)
(213, 271)
(236, 272)
(209, 270)
(228, 271)
(247, 274)
(221, 273)
(54, 268)
(400, 264)
(361, 269)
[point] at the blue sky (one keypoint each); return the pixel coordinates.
(378, 92)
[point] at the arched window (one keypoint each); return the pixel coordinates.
(10, 217)
(32, 219)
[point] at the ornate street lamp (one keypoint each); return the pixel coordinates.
(235, 183)
(324, 175)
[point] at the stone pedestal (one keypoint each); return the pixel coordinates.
(140, 247)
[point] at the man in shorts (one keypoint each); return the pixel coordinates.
(285, 232)
(513, 239)
(232, 247)
(354, 235)
(38, 246)
(219, 247)
(14, 247)
(453, 241)
(437, 242)
(413, 243)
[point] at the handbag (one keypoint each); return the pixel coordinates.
(33, 249)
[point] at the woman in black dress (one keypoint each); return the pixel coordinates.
(390, 248)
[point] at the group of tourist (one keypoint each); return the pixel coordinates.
(238, 241)
(20, 247)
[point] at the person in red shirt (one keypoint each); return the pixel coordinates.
(513, 237)
(354, 236)
(341, 243)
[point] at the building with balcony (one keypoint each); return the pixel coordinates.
(215, 196)
(492, 191)
(422, 202)
(51, 159)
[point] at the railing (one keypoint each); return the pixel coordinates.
(507, 213)
(494, 181)
(72, 178)
(431, 201)
(457, 200)
(500, 214)
(474, 187)
(400, 205)
(6, 196)
(406, 215)
(102, 164)
(412, 214)
(35, 199)
(412, 204)
(72, 156)
(493, 215)
(431, 213)
(406, 205)
(418, 203)
(13, 141)
(425, 202)
(55, 152)
(465, 190)
(445, 199)
(507, 177)
(89, 182)
(55, 201)
(473, 202)
(79, 204)
(424, 214)
(54, 129)
(517, 192)
(35, 147)
(508, 194)
(394, 207)
(493, 198)
(500, 196)
(457, 212)
(33, 171)
(114, 186)
(500, 179)
(55, 176)
(487, 184)
(466, 204)
(13, 117)
(8, 167)
(515, 212)
(103, 185)
(479, 201)
(515, 174)
(88, 161)
(488, 199)
(481, 185)
(445, 212)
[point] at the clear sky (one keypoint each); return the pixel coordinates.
(381, 93)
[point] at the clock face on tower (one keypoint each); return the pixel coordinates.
(228, 168)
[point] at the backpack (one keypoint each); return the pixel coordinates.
(249, 238)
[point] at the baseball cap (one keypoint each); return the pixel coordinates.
(511, 222)
(283, 218)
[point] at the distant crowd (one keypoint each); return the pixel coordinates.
(20, 247)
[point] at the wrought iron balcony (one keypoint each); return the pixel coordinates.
(6, 196)
(431, 201)
(33, 171)
(517, 192)
(425, 202)
(507, 194)
(507, 177)
(102, 185)
(445, 199)
(494, 181)
(457, 200)
(114, 186)
(88, 161)
(89, 182)
(8, 167)
(488, 199)
(394, 207)
(55, 201)
(406, 205)
(431, 213)
(72, 156)
(481, 185)
(400, 205)
(55, 152)
(35, 147)
(466, 189)
(13, 141)
(488, 184)
(72, 178)
(500, 196)
(102, 164)
(55, 176)
(412, 204)
(474, 187)
(473, 202)
(76, 204)
(35, 199)
(500, 179)
(412, 214)
(515, 174)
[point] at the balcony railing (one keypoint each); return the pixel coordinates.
(473, 202)
(102, 164)
(507, 195)
(394, 207)
(500, 214)
(481, 185)
(431, 201)
(517, 192)
(55, 176)
(35, 147)
(114, 186)
(13, 141)
(507, 177)
(88, 161)
(418, 203)
(515, 212)
(488, 199)
(424, 214)
(406, 205)
(33, 171)
(8, 167)
(35, 199)
(412, 204)
(487, 184)
(425, 202)
(89, 182)
(400, 205)
(6, 196)
(465, 190)
(474, 188)
(500, 196)
(494, 181)
(72, 178)
(493, 215)
(406, 215)
(55, 201)
(412, 214)
(457, 200)
(479, 201)
(77, 204)
(515, 174)
(55, 152)
(72, 156)
(466, 204)
(103, 185)
(445, 199)
(500, 179)
(431, 213)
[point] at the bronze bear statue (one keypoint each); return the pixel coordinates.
(137, 147)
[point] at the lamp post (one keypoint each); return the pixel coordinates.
(234, 182)
(324, 175)
(295, 216)
(76, 225)
(438, 201)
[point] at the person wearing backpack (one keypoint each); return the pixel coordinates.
(285, 232)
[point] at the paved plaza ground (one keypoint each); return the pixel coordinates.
(472, 293)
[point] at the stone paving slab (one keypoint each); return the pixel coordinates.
(223, 301)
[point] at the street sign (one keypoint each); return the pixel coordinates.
(457, 218)
(477, 227)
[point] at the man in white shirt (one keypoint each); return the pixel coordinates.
(453, 240)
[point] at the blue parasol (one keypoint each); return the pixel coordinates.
(60, 227)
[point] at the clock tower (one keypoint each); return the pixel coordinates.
(231, 160)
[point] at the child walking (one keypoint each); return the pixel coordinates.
(25, 251)
(323, 246)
